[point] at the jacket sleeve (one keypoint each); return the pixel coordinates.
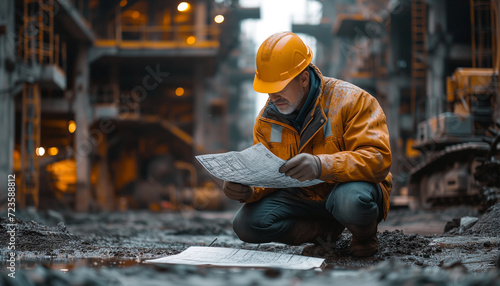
(367, 154)
(259, 193)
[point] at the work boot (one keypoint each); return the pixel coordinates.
(324, 244)
(364, 240)
(305, 231)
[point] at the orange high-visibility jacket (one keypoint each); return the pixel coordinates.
(346, 129)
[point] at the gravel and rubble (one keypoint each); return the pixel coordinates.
(109, 248)
(390, 272)
(489, 223)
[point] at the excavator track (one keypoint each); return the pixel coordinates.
(466, 173)
(427, 180)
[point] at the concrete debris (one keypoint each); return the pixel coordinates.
(467, 222)
(452, 225)
(489, 223)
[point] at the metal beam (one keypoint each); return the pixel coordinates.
(72, 20)
(97, 53)
(83, 143)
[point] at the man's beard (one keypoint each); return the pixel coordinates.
(289, 108)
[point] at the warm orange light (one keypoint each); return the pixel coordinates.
(219, 19)
(179, 91)
(191, 40)
(72, 126)
(40, 151)
(136, 14)
(53, 151)
(183, 7)
(123, 3)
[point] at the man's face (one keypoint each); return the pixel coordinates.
(290, 98)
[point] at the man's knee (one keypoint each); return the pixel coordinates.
(354, 202)
(248, 227)
(242, 228)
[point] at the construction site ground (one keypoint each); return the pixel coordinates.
(108, 248)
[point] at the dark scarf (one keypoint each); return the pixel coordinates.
(297, 117)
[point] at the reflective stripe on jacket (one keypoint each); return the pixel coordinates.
(346, 128)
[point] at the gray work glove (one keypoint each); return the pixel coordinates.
(237, 192)
(302, 167)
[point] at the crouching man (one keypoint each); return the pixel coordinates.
(326, 129)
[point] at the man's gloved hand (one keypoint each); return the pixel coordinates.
(237, 192)
(302, 167)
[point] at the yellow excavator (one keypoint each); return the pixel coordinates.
(462, 161)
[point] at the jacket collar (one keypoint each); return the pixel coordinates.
(314, 119)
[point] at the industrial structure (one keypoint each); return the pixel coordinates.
(103, 100)
(433, 66)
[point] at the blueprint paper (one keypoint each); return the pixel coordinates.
(232, 257)
(255, 166)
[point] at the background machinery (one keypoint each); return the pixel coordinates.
(460, 163)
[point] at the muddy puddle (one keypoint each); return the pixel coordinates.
(65, 265)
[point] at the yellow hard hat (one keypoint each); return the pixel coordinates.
(280, 58)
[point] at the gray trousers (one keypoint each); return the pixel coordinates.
(273, 217)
